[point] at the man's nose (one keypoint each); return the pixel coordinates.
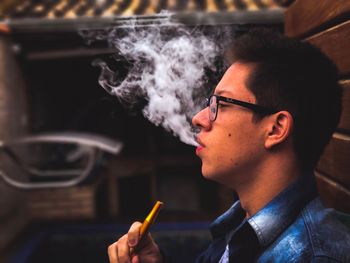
(201, 119)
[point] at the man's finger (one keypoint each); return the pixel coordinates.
(146, 241)
(112, 253)
(123, 254)
(134, 234)
(135, 259)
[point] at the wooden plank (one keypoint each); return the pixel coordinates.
(335, 160)
(332, 194)
(335, 42)
(123, 167)
(344, 122)
(284, 3)
(306, 16)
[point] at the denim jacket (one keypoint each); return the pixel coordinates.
(293, 227)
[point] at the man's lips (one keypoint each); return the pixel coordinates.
(198, 149)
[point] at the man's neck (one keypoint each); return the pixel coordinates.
(267, 184)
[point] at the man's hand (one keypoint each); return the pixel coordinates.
(147, 251)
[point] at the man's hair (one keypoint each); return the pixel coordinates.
(297, 77)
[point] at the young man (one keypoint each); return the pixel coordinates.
(262, 133)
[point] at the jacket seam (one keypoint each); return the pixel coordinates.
(317, 251)
(303, 214)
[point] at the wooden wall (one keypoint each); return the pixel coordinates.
(326, 24)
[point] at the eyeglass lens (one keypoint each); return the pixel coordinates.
(212, 108)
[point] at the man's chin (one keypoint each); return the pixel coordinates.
(210, 175)
(221, 178)
(206, 174)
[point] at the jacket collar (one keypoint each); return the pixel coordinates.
(227, 221)
(275, 217)
(278, 214)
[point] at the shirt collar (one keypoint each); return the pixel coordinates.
(274, 218)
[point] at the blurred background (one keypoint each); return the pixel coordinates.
(77, 167)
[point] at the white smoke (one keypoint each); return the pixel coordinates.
(168, 68)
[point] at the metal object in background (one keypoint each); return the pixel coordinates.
(13, 122)
(88, 146)
(71, 9)
(43, 25)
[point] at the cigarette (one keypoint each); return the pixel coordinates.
(150, 219)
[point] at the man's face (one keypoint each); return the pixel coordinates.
(233, 144)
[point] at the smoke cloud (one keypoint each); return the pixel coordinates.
(168, 63)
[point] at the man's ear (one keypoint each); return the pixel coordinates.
(280, 126)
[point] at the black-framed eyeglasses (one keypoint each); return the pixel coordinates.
(214, 100)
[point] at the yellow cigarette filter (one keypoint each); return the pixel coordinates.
(151, 217)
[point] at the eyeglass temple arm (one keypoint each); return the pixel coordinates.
(254, 107)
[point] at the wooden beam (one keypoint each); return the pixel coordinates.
(344, 123)
(284, 3)
(333, 194)
(305, 16)
(335, 160)
(125, 167)
(335, 42)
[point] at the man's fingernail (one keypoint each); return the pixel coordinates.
(132, 242)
